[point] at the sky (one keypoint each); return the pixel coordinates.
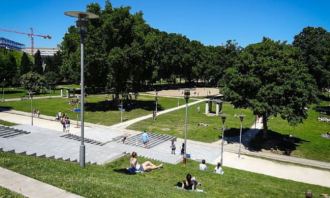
(211, 22)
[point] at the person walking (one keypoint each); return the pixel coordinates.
(173, 147)
(145, 138)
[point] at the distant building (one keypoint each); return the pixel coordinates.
(43, 51)
(9, 44)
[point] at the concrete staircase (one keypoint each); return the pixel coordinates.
(154, 140)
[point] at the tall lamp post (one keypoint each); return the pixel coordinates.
(241, 118)
(31, 98)
(223, 119)
(186, 97)
(82, 23)
(156, 101)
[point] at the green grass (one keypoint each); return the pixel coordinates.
(5, 193)
(15, 92)
(105, 181)
(312, 145)
(173, 123)
(70, 86)
(98, 110)
(5, 123)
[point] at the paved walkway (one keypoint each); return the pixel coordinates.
(124, 125)
(29, 187)
(198, 151)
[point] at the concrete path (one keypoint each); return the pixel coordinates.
(198, 151)
(124, 125)
(29, 187)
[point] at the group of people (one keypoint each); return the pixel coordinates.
(217, 168)
(64, 120)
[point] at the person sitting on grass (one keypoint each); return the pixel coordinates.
(144, 167)
(202, 166)
(189, 184)
(218, 169)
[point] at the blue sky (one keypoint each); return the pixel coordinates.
(210, 21)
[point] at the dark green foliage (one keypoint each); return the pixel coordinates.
(314, 44)
(32, 81)
(26, 64)
(37, 66)
(270, 79)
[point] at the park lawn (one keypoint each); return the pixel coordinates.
(5, 123)
(173, 123)
(312, 145)
(16, 92)
(5, 193)
(108, 181)
(98, 110)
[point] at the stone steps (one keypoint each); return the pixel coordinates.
(154, 140)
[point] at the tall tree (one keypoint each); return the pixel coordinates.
(26, 64)
(314, 44)
(270, 78)
(37, 66)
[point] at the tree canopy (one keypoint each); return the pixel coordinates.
(270, 78)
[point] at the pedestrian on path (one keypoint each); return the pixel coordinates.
(173, 147)
(145, 138)
(182, 149)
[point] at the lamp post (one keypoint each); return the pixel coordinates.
(3, 90)
(186, 97)
(31, 98)
(241, 118)
(82, 23)
(156, 101)
(223, 119)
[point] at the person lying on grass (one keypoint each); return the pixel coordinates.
(189, 184)
(144, 167)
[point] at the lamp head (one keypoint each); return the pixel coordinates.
(186, 94)
(223, 118)
(241, 117)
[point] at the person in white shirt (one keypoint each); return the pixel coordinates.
(203, 166)
(218, 169)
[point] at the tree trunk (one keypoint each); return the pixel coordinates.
(265, 125)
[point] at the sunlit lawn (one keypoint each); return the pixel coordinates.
(98, 109)
(109, 181)
(15, 92)
(173, 123)
(5, 193)
(312, 145)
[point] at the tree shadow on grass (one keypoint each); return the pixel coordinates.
(232, 135)
(128, 106)
(5, 108)
(275, 142)
(14, 92)
(323, 109)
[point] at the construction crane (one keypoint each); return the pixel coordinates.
(30, 34)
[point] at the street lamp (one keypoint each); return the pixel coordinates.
(223, 119)
(31, 98)
(241, 118)
(186, 97)
(156, 100)
(82, 23)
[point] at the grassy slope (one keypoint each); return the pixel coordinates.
(173, 123)
(5, 123)
(104, 181)
(5, 193)
(98, 110)
(315, 147)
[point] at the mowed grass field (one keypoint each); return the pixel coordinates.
(5, 193)
(312, 144)
(20, 92)
(200, 126)
(109, 181)
(98, 109)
